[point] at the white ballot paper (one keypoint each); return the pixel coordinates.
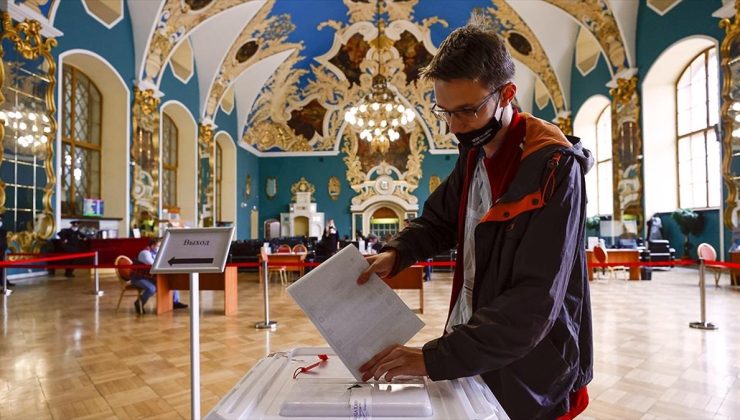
(358, 321)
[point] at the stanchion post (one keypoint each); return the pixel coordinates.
(194, 347)
(6, 291)
(703, 324)
(267, 324)
(97, 276)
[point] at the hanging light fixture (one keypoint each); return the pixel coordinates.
(31, 128)
(380, 115)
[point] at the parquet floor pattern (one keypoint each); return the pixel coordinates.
(66, 354)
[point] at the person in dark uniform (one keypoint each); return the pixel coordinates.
(72, 241)
(3, 250)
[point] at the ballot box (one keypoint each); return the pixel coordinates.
(270, 391)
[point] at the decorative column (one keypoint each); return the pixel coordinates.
(627, 152)
(145, 159)
(206, 175)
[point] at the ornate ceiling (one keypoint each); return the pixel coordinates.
(295, 65)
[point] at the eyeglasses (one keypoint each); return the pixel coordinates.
(464, 114)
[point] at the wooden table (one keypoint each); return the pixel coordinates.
(274, 260)
(617, 256)
(411, 278)
(225, 281)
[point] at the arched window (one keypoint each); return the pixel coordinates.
(698, 149)
(81, 140)
(600, 194)
(219, 171)
(169, 164)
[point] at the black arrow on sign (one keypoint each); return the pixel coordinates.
(174, 261)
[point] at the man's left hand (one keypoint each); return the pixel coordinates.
(394, 361)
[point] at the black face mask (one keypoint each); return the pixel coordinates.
(483, 135)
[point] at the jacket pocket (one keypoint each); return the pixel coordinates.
(544, 373)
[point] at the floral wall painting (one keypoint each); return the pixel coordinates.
(271, 187)
(334, 188)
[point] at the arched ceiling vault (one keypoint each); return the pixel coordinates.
(282, 42)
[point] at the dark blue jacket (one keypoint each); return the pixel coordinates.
(530, 334)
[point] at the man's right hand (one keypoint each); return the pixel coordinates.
(381, 264)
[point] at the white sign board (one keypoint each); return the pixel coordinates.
(201, 250)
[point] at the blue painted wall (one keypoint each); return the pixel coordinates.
(317, 171)
(710, 233)
(584, 87)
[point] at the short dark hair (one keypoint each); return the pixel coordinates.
(473, 52)
(154, 241)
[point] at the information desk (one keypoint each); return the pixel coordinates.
(225, 281)
(268, 391)
(412, 278)
(617, 256)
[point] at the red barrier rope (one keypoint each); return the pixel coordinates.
(34, 263)
(45, 259)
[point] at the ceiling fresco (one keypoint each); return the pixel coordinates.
(296, 65)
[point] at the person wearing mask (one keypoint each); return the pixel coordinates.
(515, 206)
(144, 280)
(72, 242)
(330, 238)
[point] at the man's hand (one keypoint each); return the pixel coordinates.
(381, 264)
(394, 361)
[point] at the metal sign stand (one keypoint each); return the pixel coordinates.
(182, 251)
(703, 324)
(194, 346)
(266, 324)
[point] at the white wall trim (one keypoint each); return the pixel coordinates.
(102, 22)
(183, 166)
(58, 140)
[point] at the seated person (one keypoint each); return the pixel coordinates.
(373, 243)
(144, 280)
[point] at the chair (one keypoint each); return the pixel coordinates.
(603, 258)
(707, 253)
(300, 249)
(281, 271)
(284, 248)
(124, 277)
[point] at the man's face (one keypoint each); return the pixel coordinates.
(457, 94)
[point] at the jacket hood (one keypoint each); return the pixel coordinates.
(541, 134)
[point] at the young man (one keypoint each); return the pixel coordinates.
(142, 279)
(515, 206)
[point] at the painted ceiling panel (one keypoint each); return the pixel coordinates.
(556, 31)
(249, 84)
(143, 16)
(212, 41)
(625, 12)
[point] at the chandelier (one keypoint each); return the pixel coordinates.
(380, 115)
(31, 128)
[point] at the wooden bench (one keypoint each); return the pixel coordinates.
(411, 278)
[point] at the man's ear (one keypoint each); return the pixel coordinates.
(508, 93)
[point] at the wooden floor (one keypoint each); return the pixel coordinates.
(66, 354)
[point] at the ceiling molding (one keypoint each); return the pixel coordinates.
(212, 41)
(173, 24)
(262, 37)
(525, 47)
(598, 18)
